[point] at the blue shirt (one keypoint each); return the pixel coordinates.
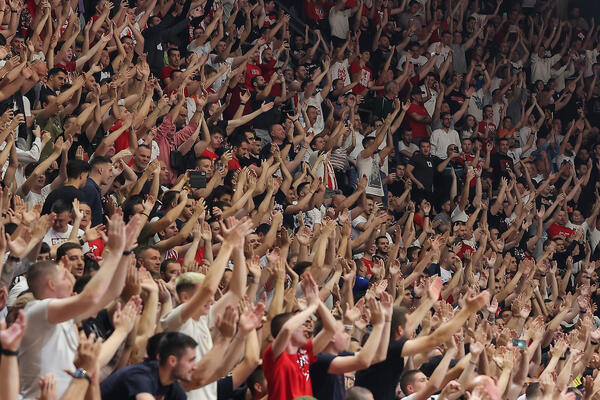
(93, 197)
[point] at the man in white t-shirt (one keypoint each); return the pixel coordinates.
(51, 339)
(195, 315)
(61, 229)
(35, 190)
(441, 48)
(359, 224)
(339, 19)
(443, 137)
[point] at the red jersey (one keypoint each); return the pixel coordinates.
(234, 164)
(288, 376)
(166, 72)
(355, 68)
(251, 71)
(209, 154)
(556, 230)
(419, 128)
(122, 141)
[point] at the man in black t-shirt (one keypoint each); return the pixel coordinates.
(77, 174)
(327, 373)
(421, 170)
(382, 378)
(262, 94)
(501, 163)
(177, 355)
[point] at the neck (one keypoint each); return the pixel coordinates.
(330, 349)
(164, 374)
(95, 178)
(72, 182)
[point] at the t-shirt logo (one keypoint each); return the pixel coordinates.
(429, 164)
(304, 363)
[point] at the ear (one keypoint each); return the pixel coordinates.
(172, 361)
(400, 331)
(51, 284)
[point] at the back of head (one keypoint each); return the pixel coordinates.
(174, 344)
(257, 376)
(99, 160)
(77, 167)
(38, 275)
(152, 345)
(358, 393)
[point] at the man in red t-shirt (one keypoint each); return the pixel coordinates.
(216, 142)
(558, 227)
(417, 114)
(174, 58)
(241, 147)
(486, 128)
(287, 359)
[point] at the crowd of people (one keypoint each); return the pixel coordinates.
(369, 199)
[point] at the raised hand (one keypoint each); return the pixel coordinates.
(474, 303)
(310, 289)
(87, 353)
(116, 234)
(235, 231)
(10, 338)
(227, 322)
(250, 318)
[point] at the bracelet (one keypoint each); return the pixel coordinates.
(242, 103)
(9, 353)
(13, 258)
(472, 362)
(14, 11)
(594, 343)
(81, 242)
(139, 80)
(127, 252)
(147, 216)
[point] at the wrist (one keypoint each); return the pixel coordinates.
(10, 352)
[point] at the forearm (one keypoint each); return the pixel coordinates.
(111, 345)
(9, 378)
(76, 390)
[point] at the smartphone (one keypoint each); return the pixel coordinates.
(198, 179)
(519, 343)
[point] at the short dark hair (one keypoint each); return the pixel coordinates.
(99, 160)
(77, 167)
(278, 321)
(380, 237)
(257, 376)
(165, 264)
(60, 206)
(174, 344)
(64, 248)
(139, 250)
(407, 378)
(55, 71)
(398, 319)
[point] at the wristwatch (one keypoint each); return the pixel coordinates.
(81, 373)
